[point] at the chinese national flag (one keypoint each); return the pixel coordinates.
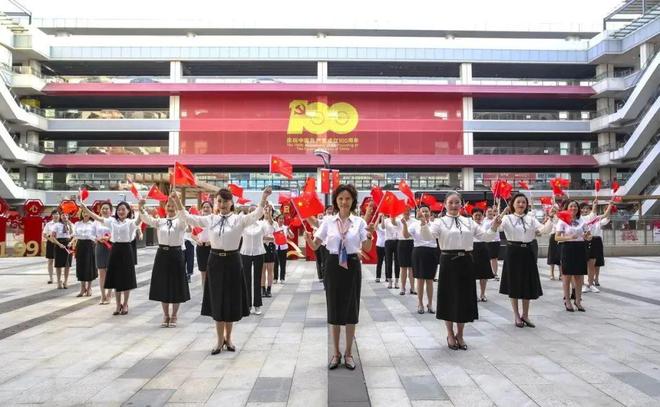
(566, 216)
(546, 200)
(183, 176)
(135, 191)
(308, 205)
(155, 193)
(468, 208)
(523, 185)
(310, 186)
(325, 180)
(295, 222)
(242, 201)
(283, 198)
(205, 196)
(193, 210)
(406, 190)
(235, 190)
(597, 185)
(377, 194)
(280, 237)
(437, 207)
(615, 186)
(483, 205)
(161, 212)
(617, 199)
(84, 194)
(279, 166)
(392, 206)
(502, 189)
(335, 179)
(69, 207)
(427, 200)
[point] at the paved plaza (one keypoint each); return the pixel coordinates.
(56, 349)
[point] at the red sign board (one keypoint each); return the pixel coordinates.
(281, 123)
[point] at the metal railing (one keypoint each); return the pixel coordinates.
(106, 150)
(533, 115)
(100, 113)
(533, 150)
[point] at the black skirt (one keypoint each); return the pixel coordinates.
(404, 249)
(225, 291)
(50, 250)
(62, 256)
(168, 277)
(481, 261)
(85, 261)
(202, 257)
(102, 254)
(425, 262)
(342, 290)
(134, 246)
(520, 273)
(457, 292)
(554, 252)
(121, 268)
(269, 257)
(595, 251)
(574, 258)
(493, 250)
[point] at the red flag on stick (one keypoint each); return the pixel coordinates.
(377, 194)
(280, 166)
(310, 186)
(242, 201)
(546, 200)
(615, 186)
(308, 205)
(235, 190)
(283, 198)
(135, 192)
(437, 207)
(280, 237)
(523, 185)
(597, 185)
(566, 216)
(427, 200)
(84, 194)
(483, 205)
(183, 176)
(502, 189)
(391, 205)
(161, 212)
(406, 190)
(468, 208)
(155, 193)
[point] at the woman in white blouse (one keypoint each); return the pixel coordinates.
(457, 293)
(121, 263)
(168, 277)
(225, 291)
(404, 249)
(281, 250)
(83, 241)
(494, 245)
(50, 246)
(595, 251)
(203, 244)
(345, 235)
(424, 259)
(520, 273)
(483, 270)
(102, 252)
(571, 237)
(252, 257)
(60, 236)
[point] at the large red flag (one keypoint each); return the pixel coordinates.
(155, 193)
(183, 176)
(280, 166)
(308, 205)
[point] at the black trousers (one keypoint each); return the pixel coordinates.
(190, 257)
(321, 254)
(380, 253)
(252, 267)
(391, 257)
(280, 264)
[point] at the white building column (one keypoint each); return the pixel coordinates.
(176, 72)
(28, 177)
(322, 71)
(467, 173)
(175, 113)
(646, 51)
(465, 73)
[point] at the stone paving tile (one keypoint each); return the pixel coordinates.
(151, 398)
(423, 388)
(270, 389)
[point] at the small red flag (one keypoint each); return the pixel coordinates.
(427, 200)
(335, 179)
(468, 208)
(615, 186)
(483, 205)
(597, 185)
(308, 205)
(183, 176)
(193, 210)
(325, 180)
(280, 237)
(406, 190)
(566, 216)
(205, 197)
(295, 222)
(392, 206)
(283, 197)
(155, 193)
(546, 200)
(617, 198)
(437, 207)
(280, 166)
(502, 189)
(310, 186)
(84, 194)
(242, 201)
(135, 191)
(523, 185)
(69, 207)
(377, 194)
(161, 212)
(235, 190)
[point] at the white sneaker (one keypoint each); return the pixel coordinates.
(257, 310)
(585, 289)
(251, 310)
(594, 289)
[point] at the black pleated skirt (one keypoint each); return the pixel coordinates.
(404, 249)
(269, 257)
(102, 254)
(520, 273)
(121, 268)
(134, 247)
(85, 261)
(493, 250)
(202, 257)
(62, 257)
(225, 292)
(481, 261)
(595, 251)
(425, 262)
(342, 290)
(574, 258)
(50, 250)
(168, 277)
(554, 252)
(457, 292)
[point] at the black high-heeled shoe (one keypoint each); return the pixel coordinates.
(349, 365)
(230, 348)
(334, 362)
(216, 350)
(567, 308)
(450, 346)
(580, 307)
(420, 309)
(461, 346)
(528, 322)
(430, 310)
(519, 324)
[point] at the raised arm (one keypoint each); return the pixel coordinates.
(92, 214)
(144, 216)
(201, 221)
(254, 216)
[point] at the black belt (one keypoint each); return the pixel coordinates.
(350, 256)
(518, 244)
(223, 253)
(455, 254)
(205, 243)
(166, 247)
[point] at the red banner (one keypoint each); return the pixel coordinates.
(286, 123)
(325, 181)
